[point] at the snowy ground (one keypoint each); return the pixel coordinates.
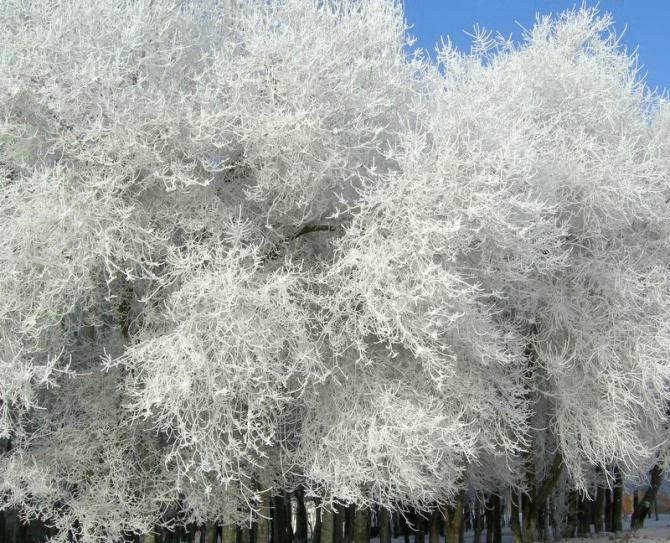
(653, 532)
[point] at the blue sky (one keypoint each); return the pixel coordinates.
(646, 24)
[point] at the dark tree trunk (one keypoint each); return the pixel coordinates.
(229, 533)
(396, 523)
(316, 532)
(279, 531)
(454, 518)
(599, 510)
(573, 513)
(489, 520)
(361, 524)
(477, 523)
(584, 516)
(384, 526)
(300, 516)
(530, 518)
(608, 510)
(553, 521)
(327, 526)
(263, 520)
(405, 529)
(212, 532)
(538, 494)
(545, 527)
(643, 508)
(497, 519)
(288, 517)
(179, 533)
(349, 523)
(420, 525)
(514, 522)
(24, 535)
(339, 520)
(617, 523)
(435, 519)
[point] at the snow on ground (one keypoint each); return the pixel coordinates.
(654, 531)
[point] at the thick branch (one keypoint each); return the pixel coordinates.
(311, 228)
(644, 506)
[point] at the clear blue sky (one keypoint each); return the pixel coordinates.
(646, 24)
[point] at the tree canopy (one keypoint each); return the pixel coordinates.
(247, 246)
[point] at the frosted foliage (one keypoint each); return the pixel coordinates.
(250, 245)
(83, 470)
(228, 352)
(592, 292)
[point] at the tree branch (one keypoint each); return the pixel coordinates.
(311, 228)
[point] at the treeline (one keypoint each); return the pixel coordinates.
(293, 518)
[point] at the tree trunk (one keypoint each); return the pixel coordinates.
(477, 536)
(545, 527)
(212, 532)
(434, 527)
(327, 526)
(420, 525)
(608, 510)
(385, 526)
(263, 520)
(229, 533)
(361, 524)
(644, 505)
(617, 523)
(489, 520)
(349, 523)
(454, 519)
(599, 510)
(339, 520)
(529, 512)
(245, 535)
(573, 513)
(405, 529)
(24, 533)
(288, 517)
(316, 532)
(497, 519)
(584, 517)
(553, 520)
(537, 496)
(514, 522)
(300, 516)
(279, 520)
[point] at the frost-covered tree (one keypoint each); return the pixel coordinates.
(564, 125)
(253, 245)
(182, 188)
